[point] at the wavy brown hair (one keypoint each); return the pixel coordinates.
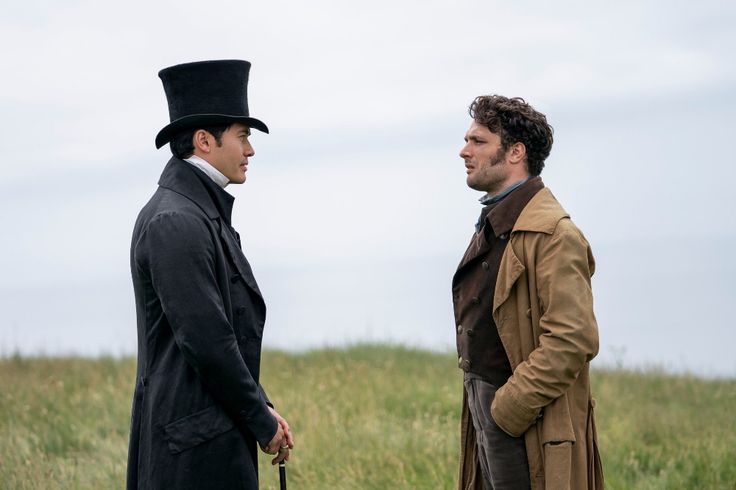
(515, 121)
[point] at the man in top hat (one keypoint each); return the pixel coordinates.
(199, 411)
(526, 331)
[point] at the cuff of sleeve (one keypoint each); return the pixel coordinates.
(262, 425)
(510, 415)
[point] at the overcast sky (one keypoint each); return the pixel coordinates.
(355, 213)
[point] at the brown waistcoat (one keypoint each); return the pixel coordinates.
(479, 346)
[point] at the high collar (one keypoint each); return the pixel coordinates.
(208, 169)
(503, 214)
(187, 180)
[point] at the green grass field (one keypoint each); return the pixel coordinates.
(367, 417)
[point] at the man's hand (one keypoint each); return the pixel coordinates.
(277, 441)
(282, 442)
(285, 425)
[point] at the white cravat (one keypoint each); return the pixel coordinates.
(211, 172)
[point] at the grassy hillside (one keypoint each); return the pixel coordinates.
(368, 417)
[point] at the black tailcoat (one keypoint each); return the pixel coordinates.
(198, 409)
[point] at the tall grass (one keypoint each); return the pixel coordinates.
(666, 432)
(64, 422)
(366, 417)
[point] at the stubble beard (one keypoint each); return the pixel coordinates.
(489, 179)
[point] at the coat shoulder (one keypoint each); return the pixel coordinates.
(167, 205)
(167, 201)
(541, 214)
(566, 227)
(168, 218)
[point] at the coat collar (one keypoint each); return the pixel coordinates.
(541, 214)
(499, 218)
(185, 179)
(504, 214)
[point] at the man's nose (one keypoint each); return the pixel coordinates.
(464, 152)
(248, 150)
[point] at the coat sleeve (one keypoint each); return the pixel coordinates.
(264, 397)
(568, 331)
(179, 253)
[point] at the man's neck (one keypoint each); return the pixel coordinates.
(508, 189)
(209, 170)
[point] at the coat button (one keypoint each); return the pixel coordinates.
(485, 265)
(469, 332)
(463, 363)
(503, 236)
(459, 329)
(234, 278)
(240, 310)
(475, 300)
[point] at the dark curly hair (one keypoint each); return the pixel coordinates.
(515, 121)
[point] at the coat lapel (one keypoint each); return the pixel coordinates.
(540, 215)
(509, 272)
(238, 258)
(477, 248)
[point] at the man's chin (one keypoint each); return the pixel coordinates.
(472, 184)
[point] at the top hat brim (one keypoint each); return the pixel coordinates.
(198, 120)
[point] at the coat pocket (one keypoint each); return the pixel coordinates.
(557, 438)
(196, 428)
(557, 465)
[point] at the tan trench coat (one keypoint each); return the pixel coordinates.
(543, 308)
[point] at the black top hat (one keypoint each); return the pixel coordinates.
(204, 93)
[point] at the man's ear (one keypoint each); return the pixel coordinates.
(201, 141)
(517, 153)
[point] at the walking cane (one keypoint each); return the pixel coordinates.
(282, 475)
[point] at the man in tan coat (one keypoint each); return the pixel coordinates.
(523, 306)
